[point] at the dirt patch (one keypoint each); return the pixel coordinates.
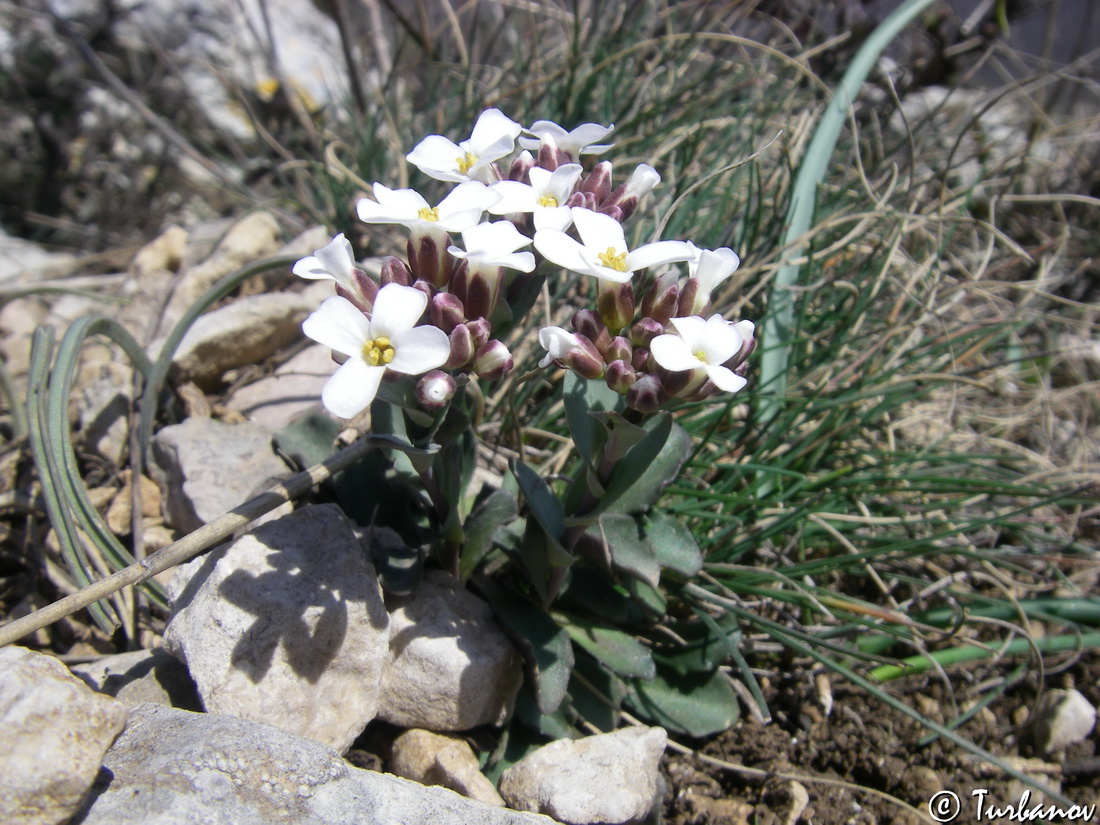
(805, 756)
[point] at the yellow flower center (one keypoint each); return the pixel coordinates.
(613, 260)
(378, 352)
(428, 213)
(465, 162)
(548, 200)
(702, 356)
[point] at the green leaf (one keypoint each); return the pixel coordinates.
(582, 397)
(661, 471)
(618, 650)
(673, 544)
(708, 645)
(592, 591)
(596, 693)
(494, 512)
(637, 467)
(544, 505)
(540, 554)
(627, 546)
(544, 644)
(696, 705)
(309, 440)
(649, 598)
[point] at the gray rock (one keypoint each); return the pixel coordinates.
(245, 332)
(611, 777)
(286, 625)
(1062, 718)
(142, 676)
(450, 666)
(54, 731)
(208, 467)
(293, 390)
(437, 759)
(172, 767)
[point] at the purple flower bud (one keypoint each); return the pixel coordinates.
(446, 311)
(675, 383)
(688, 296)
(588, 323)
(424, 287)
(394, 271)
(435, 389)
(479, 330)
(429, 259)
(477, 289)
(492, 360)
(572, 350)
(739, 362)
(700, 393)
(618, 350)
(521, 166)
(462, 348)
(550, 155)
(620, 376)
(645, 395)
(616, 305)
(645, 331)
(626, 197)
(598, 182)
(660, 300)
(615, 212)
(640, 359)
(576, 199)
(585, 360)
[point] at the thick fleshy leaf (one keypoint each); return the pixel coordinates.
(544, 505)
(674, 545)
(662, 470)
(581, 397)
(396, 309)
(673, 353)
(497, 510)
(636, 464)
(339, 325)
(419, 350)
(628, 547)
(351, 388)
(687, 705)
(617, 650)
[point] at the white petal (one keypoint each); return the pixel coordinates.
(655, 254)
(514, 197)
(392, 206)
(691, 329)
(419, 350)
(580, 140)
(562, 181)
(747, 329)
(598, 231)
(552, 217)
(351, 388)
(332, 261)
(338, 324)
(492, 126)
(642, 181)
(714, 266)
(557, 342)
(720, 340)
(492, 239)
(559, 248)
(673, 353)
(467, 197)
(438, 157)
(396, 308)
(725, 379)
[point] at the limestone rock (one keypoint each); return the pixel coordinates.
(286, 625)
(610, 777)
(241, 333)
(1062, 718)
(54, 731)
(142, 676)
(290, 392)
(208, 468)
(172, 767)
(450, 666)
(435, 759)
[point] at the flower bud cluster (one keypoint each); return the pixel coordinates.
(517, 188)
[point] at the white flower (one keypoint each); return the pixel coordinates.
(699, 344)
(558, 343)
(388, 340)
(580, 141)
(711, 267)
(491, 245)
(602, 251)
(642, 181)
(545, 198)
(333, 261)
(494, 136)
(460, 210)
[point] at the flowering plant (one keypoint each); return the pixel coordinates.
(580, 564)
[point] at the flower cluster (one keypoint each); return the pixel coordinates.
(435, 313)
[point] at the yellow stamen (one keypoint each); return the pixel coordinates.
(465, 162)
(548, 200)
(613, 260)
(428, 213)
(702, 356)
(378, 352)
